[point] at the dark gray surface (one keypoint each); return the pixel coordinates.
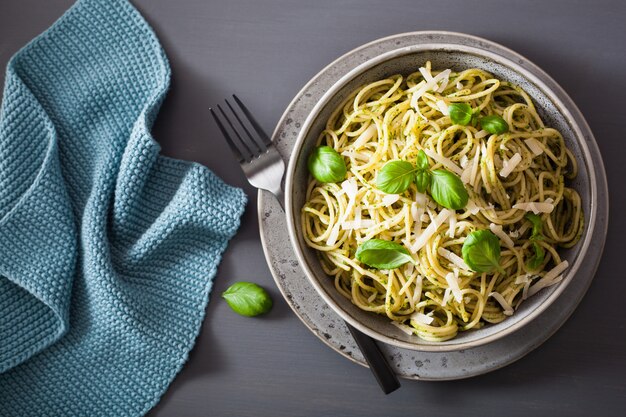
(265, 51)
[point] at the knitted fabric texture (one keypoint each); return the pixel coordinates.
(107, 249)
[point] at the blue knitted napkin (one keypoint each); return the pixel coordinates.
(107, 249)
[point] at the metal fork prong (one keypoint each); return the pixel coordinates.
(266, 140)
(236, 152)
(250, 154)
(258, 143)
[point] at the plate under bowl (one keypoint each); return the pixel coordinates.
(556, 109)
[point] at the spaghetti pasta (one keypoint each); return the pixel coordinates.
(506, 175)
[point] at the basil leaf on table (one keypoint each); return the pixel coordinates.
(494, 124)
(481, 251)
(460, 113)
(326, 165)
(395, 177)
(448, 190)
(247, 299)
(383, 254)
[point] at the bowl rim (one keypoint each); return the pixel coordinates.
(537, 77)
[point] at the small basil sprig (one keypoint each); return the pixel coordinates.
(383, 254)
(481, 251)
(395, 177)
(494, 124)
(536, 235)
(463, 114)
(326, 165)
(445, 187)
(247, 299)
(460, 113)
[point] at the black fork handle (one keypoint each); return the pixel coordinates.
(385, 376)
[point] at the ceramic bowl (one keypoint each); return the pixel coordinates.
(556, 109)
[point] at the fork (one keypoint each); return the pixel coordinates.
(264, 168)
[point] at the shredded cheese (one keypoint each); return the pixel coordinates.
(481, 134)
(389, 199)
(509, 165)
(497, 230)
(421, 199)
(508, 310)
(430, 230)
(463, 161)
(365, 136)
(443, 107)
(453, 282)
(472, 207)
(453, 257)
(421, 318)
(521, 279)
(534, 145)
(444, 161)
(351, 153)
(334, 234)
(536, 207)
(446, 297)
(429, 84)
(550, 278)
(350, 187)
(452, 227)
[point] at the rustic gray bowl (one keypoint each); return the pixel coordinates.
(554, 106)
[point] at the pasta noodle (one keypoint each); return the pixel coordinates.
(506, 176)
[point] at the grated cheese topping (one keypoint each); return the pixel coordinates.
(430, 230)
(508, 310)
(497, 230)
(509, 165)
(534, 145)
(536, 207)
(421, 318)
(453, 282)
(365, 136)
(444, 161)
(453, 257)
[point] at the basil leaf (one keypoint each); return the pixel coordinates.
(422, 160)
(494, 124)
(326, 165)
(423, 180)
(383, 254)
(395, 177)
(448, 190)
(481, 251)
(247, 299)
(537, 234)
(460, 113)
(535, 262)
(535, 219)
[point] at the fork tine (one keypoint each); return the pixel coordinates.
(251, 139)
(266, 140)
(250, 154)
(231, 144)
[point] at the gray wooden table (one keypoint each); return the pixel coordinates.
(265, 51)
